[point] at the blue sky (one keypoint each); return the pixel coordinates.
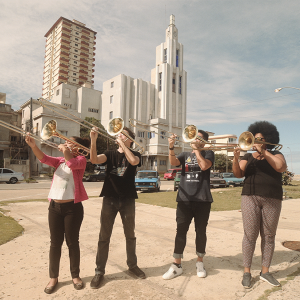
(235, 53)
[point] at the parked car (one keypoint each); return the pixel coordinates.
(216, 180)
(99, 176)
(10, 176)
(147, 180)
(171, 173)
(231, 180)
(177, 180)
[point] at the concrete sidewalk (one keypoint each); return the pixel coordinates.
(24, 261)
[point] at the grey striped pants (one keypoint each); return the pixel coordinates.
(260, 215)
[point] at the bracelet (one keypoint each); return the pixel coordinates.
(172, 154)
(171, 148)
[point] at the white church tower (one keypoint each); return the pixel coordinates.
(161, 103)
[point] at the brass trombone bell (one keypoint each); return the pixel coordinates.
(247, 140)
(115, 126)
(50, 130)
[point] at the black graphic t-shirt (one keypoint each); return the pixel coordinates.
(194, 183)
(261, 179)
(119, 181)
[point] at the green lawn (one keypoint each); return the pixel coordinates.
(224, 199)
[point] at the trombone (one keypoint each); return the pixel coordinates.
(247, 140)
(107, 134)
(23, 132)
(49, 130)
(189, 133)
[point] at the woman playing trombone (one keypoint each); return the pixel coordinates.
(261, 197)
(65, 210)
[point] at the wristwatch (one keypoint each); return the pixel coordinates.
(171, 148)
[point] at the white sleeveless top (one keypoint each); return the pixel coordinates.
(63, 184)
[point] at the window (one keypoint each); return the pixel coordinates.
(7, 171)
(76, 50)
(112, 84)
(179, 87)
(75, 56)
(111, 99)
(231, 140)
(177, 57)
(141, 134)
(74, 79)
(163, 162)
(67, 92)
(74, 74)
(163, 135)
(76, 45)
(13, 138)
(68, 105)
(77, 33)
(75, 68)
(110, 115)
(95, 110)
(77, 27)
(159, 81)
(75, 62)
(76, 39)
(165, 55)
(57, 92)
(173, 83)
(151, 135)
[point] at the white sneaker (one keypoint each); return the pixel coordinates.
(173, 272)
(200, 269)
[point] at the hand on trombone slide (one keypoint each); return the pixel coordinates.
(172, 140)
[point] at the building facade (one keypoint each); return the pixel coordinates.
(161, 102)
(69, 55)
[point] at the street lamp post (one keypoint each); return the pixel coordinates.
(291, 158)
(286, 87)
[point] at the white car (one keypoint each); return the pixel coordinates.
(10, 176)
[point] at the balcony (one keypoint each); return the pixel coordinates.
(93, 65)
(92, 81)
(80, 82)
(83, 72)
(86, 32)
(82, 77)
(65, 47)
(93, 70)
(62, 65)
(66, 23)
(63, 72)
(66, 29)
(84, 37)
(64, 59)
(83, 66)
(84, 60)
(84, 54)
(84, 49)
(61, 77)
(65, 35)
(84, 43)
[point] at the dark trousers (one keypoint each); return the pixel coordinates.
(110, 208)
(64, 221)
(184, 214)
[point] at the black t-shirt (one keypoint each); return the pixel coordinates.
(261, 179)
(194, 183)
(119, 181)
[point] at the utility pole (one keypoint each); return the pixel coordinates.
(30, 130)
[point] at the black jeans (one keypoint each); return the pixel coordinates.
(184, 214)
(64, 221)
(110, 208)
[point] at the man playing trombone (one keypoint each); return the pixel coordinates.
(193, 201)
(119, 195)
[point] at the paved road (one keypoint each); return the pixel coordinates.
(40, 190)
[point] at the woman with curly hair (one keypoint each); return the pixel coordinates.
(261, 197)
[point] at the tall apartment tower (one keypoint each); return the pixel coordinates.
(69, 56)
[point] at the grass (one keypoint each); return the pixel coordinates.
(9, 229)
(224, 200)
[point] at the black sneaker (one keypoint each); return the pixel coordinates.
(269, 278)
(96, 281)
(137, 272)
(246, 282)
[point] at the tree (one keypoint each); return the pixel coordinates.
(287, 177)
(103, 143)
(220, 163)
